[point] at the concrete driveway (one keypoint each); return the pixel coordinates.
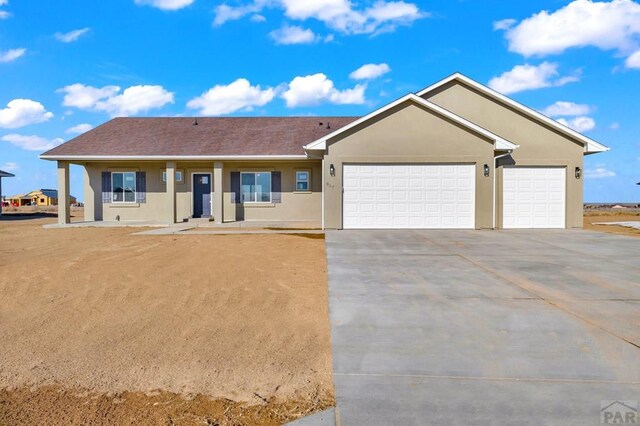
(483, 327)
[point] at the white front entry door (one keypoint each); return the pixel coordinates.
(534, 197)
(418, 196)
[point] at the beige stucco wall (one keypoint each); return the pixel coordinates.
(539, 145)
(295, 206)
(406, 134)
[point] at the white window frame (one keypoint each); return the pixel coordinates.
(255, 193)
(135, 188)
(180, 172)
(308, 172)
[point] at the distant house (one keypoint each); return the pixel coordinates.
(39, 197)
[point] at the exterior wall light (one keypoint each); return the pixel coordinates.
(332, 170)
(486, 170)
(578, 172)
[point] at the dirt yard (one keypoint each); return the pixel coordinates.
(98, 326)
(627, 215)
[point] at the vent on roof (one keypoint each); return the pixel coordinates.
(320, 123)
(195, 122)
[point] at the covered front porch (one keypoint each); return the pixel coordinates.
(232, 194)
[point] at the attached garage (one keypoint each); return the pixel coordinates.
(417, 196)
(534, 197)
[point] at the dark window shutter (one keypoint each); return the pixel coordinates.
(276, 187)
(141, 187)
(106, 187)
(235, 187)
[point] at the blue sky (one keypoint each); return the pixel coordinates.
(66, 66)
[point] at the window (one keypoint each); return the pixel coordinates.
(302, 180)
(124, 187)
(178, 176)
(256, 187)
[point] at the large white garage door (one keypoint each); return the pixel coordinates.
(534, 197)
(409, 196)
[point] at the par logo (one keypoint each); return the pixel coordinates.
(619, 412)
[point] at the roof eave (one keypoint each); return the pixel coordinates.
(63, 157)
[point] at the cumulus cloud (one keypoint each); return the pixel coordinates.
(131, 101)
(370, 71)
(4, 14)
(22, 112)
(80, 128)
(165, 4)
(339, 15)
(71, 36)
(579, 124)
(317, 88)
(32, 143)
(529, 77)
(613, 25)
(9, 166)
(12, 54)
(633, 61)
(239, 95)
(293, 35)
(599, 172)
(566, 109)
(504, 24)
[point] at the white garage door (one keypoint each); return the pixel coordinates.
(409, 196)
(534, 197)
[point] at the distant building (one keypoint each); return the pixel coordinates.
(39, 197)
(3, 174)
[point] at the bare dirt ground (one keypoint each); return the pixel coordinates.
(627, 215)
(98, 326)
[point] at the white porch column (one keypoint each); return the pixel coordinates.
(217, 192)
(64, 209)
(171, 192)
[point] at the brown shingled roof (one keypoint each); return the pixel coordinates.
(211, 137)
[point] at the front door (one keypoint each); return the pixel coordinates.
(201, 195)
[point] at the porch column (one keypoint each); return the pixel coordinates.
(171, 192)
(217, 192)
(64, 209)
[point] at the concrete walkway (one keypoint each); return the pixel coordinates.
(483, 327)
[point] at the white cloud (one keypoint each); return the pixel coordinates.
(317, 88)
(258, 18)
(579, 124)
(22, 112)
(614, 126)
(239, 95)
(71, 36)
(4, 2)
(613, 25)
(339, 15)
(633, 61)
(529, 77)
(293, 35)
(504, 24)
(9, 166)
(131, 101)
(599, 172)
(32, 143)
(80, 128)
(566, 109)
(12, 54)
(370, 71)
(166, 4)
(4, 14)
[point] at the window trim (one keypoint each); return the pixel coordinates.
(308, 171)
(135, 188)
(181, 180)
(255, 193)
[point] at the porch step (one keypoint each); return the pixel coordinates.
(199, 220)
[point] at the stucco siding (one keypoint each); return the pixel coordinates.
(540, 145)
(408, 134)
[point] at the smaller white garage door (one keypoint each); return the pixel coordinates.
(409, 196)
(534, 197)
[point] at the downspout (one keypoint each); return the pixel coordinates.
(495, 189)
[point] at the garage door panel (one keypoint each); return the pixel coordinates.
(534, 197)
(409, 196)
